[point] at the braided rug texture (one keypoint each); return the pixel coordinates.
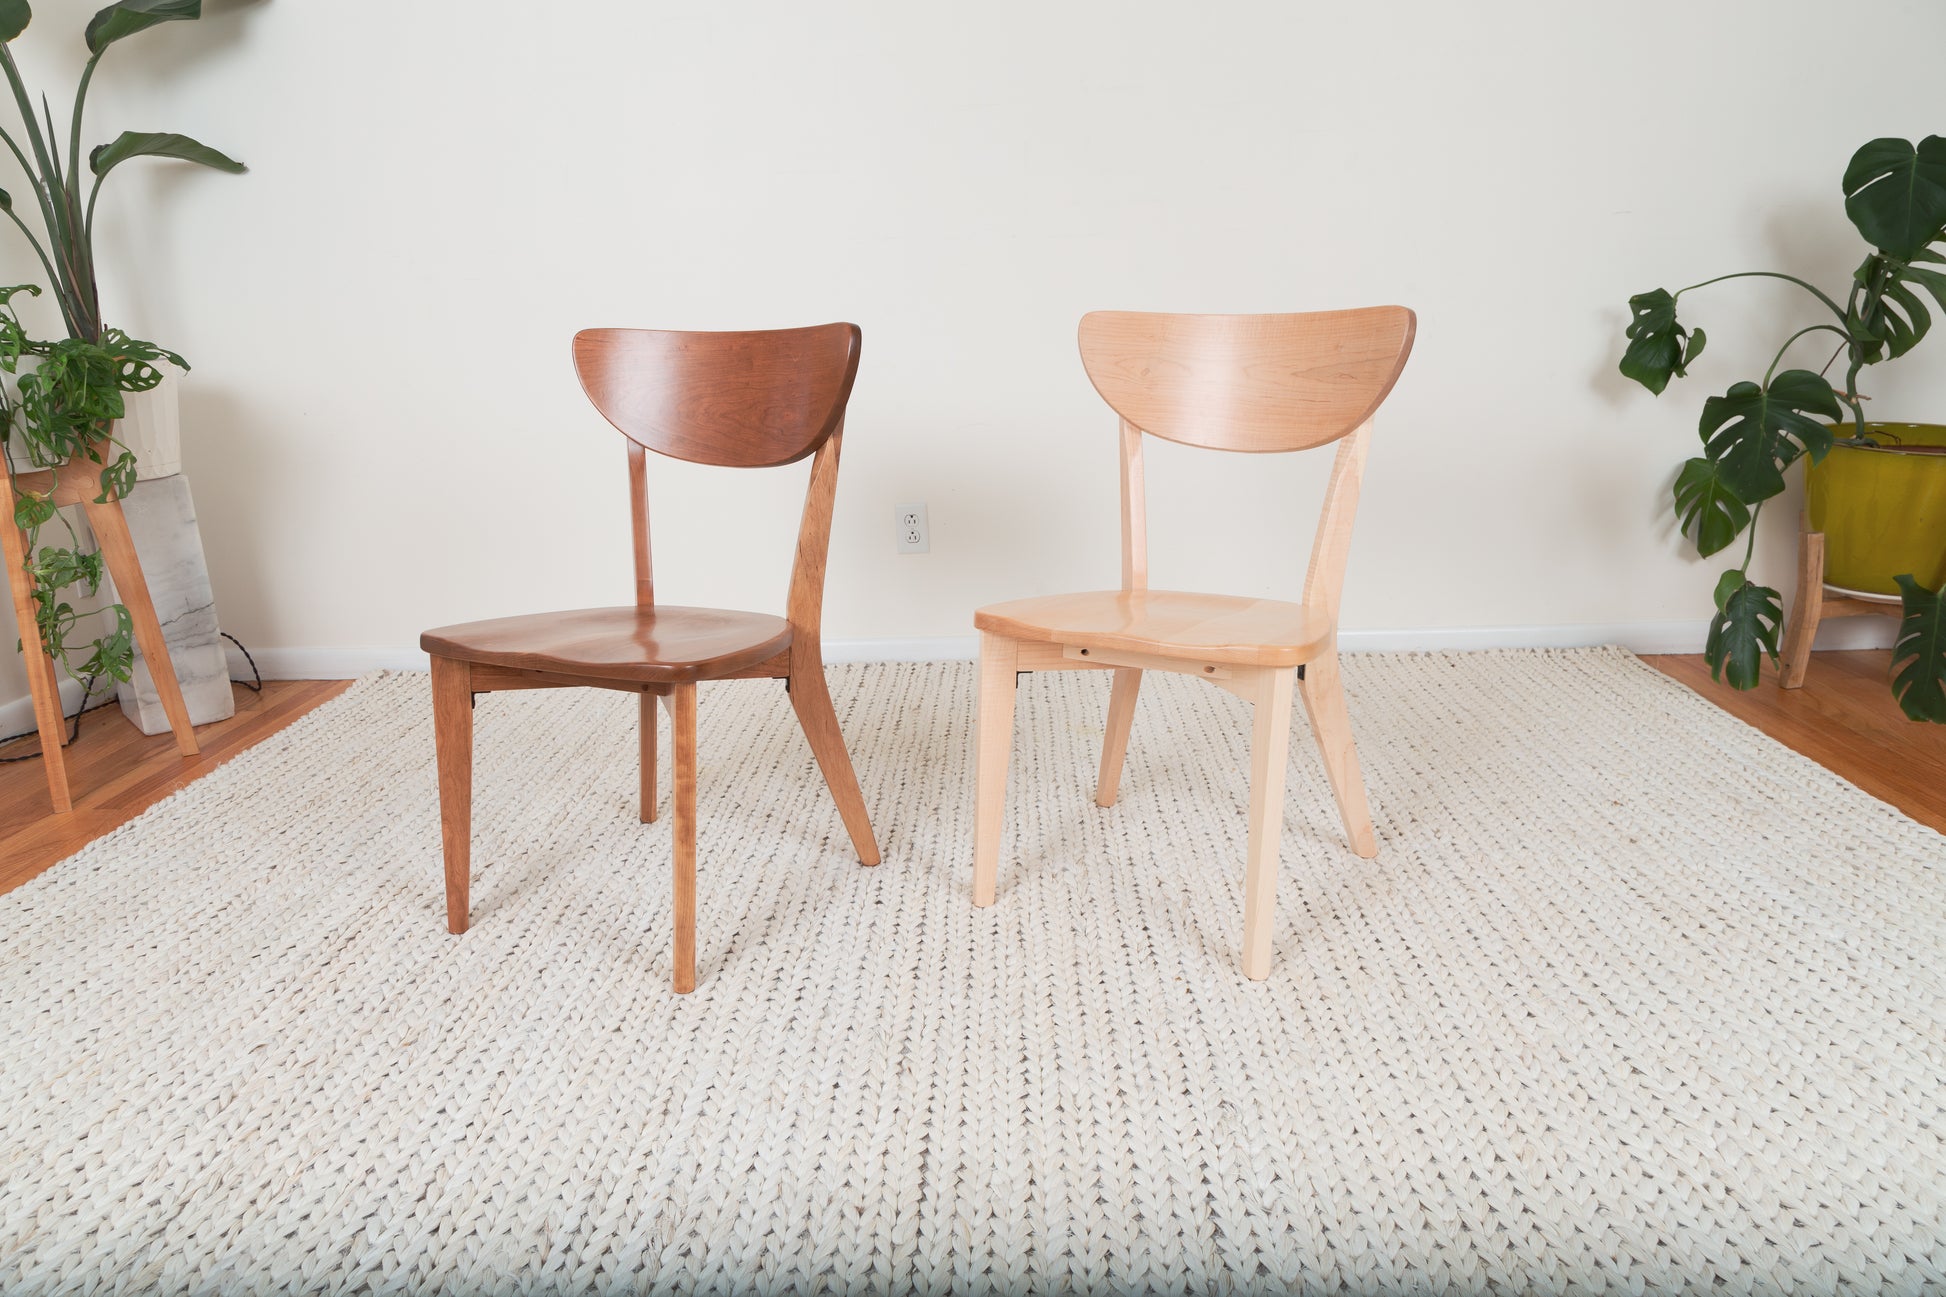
(1632, 999)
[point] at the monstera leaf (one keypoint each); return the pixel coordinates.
(1743, 631)
(1657, 345)
(151, 144)
(131, 16)
(1889, 312)
(1711, 513)
(1919, 653)
(1754, 433)
(1895, 194)
(14, 17)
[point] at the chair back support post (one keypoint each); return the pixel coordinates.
(805, 604)
(1324, 581)
(638, 505)
(1135, 511)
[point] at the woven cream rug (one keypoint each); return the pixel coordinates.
(1632, 998)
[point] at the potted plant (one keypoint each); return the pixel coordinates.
(70, 394)
(1895, 194)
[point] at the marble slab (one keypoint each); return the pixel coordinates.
(161, 517)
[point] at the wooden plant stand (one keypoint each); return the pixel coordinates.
(79, 482)
(1815, 603)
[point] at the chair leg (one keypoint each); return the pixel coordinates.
(1114, 745)
(452, 728)
(1806, 611)
(1323, 692)
(41, 682)
(811, 700)
(648, 758)
(682, 710)
(118, 548)
(995, 739)
(1270, 745)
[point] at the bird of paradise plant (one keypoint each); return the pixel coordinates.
(67, 399)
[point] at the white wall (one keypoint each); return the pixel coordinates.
(385, 434)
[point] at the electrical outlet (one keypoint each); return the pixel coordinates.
(914, 535)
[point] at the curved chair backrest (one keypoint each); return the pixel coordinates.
(1247, 382)
(740, 400)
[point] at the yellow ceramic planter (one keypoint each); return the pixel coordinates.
(1882, 511)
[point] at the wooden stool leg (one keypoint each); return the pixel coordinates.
(994, 746)
(648, 758)
(1270, 748)
(452, 731)
(41, 681)
(682, 708)
(811, 700)
(118, 549)
(1323, 692)
(1114, 744)
(1806, 611)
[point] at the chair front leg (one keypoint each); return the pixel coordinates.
(682, 709)
(1323, 692)
(1270, 743)
(452, 729)
(999, 657)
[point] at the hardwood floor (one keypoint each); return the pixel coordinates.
(1844, 719)
(117, 773)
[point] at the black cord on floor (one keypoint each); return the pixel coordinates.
(88, 689)
(258, 687)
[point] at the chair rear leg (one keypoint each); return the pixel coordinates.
(1324, 700)
(1270, 745)
(1114, 744)
(682, 710)
(452, 728)
(811, 700)
(647, 710)
(994, 740)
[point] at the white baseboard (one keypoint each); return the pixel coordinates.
(1637, 637)
(17, 715)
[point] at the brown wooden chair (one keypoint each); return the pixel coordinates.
(78, 482)
(743, 400)
(1226, 382)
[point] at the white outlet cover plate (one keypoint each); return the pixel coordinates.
(913, 533)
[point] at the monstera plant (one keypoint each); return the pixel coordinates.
(1895, 194)
(68, 393)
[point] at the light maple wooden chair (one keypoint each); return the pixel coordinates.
(743, 400)
(78, 482)
(1225, 382)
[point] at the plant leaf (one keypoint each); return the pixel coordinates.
(1742, 632)
(1920, 683)
(1896, 194)
(131, 16)
(1754, 433)
(1710, 511)
(1889, 311)
(1657, 345)
(152, 144)
(14, 17)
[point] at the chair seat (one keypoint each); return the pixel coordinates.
(1228, 629)
(651, 645)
